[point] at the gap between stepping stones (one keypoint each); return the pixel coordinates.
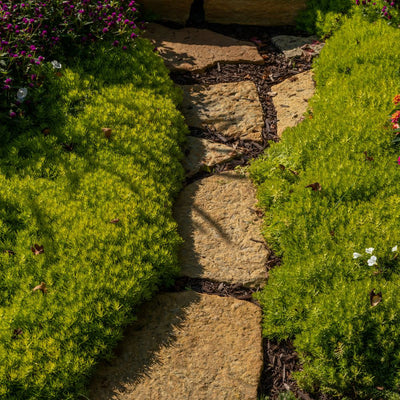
(192, 49)
(186, 346)
(221, 230)
(291, 100)
(232, 109)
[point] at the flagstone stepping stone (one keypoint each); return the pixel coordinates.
(202, 154)
(220, 227)
(253, 12)
(194, 49)
(296, 46)
(291, 100)
(186, 346)
(232, 109)
(175, 11)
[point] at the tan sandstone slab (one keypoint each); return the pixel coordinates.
(175, 11)
(291, 101)
(232, 109)
(296, 46)
(194, 49)
(186, 346)
(253, 12)
(220, 227)
(202, 154)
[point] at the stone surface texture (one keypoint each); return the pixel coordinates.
(253, 12)
(186, 346)
(296, 46)
(291, 101)
(232, 109)
(194, 49)
(221, 230)
(175, 11)
(203, 153)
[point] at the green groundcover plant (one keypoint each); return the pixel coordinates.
(87, 181)
(34, 31)
(330, 189)
(323, 16)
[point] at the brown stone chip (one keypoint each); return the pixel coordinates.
(186, 346)
(194, 49)
(233, 109)
(222, 239)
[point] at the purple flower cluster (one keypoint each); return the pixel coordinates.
(388, 9)
(32, 31)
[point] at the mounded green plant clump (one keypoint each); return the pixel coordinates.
(323, 16)
(336, 224)
(86, 231)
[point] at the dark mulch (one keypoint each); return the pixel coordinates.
(280, 359)
(217, 288)
(275, 69)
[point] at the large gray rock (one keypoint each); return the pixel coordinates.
(221, 230)
(194, 49)
(232, 109)
(186, 346)
(291, 101)
(253, 12)
(296, 46)
(202, 154)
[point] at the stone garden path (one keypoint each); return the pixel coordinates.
(189, 345)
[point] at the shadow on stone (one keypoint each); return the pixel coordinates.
(137, 355)
(221, 231)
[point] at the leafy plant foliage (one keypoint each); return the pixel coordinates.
(86, 233)
(342, 312)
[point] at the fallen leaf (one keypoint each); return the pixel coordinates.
(42, 287)
(114, 221)
(247, 76)
(380, 388)
(375, 298)
(316, 187)
(17, 332)
(68, 146)
(46, 131)
(36, 249)
(282, 167)
(107, 132)
(367, 157)
(332, 233)
(293, 172)
(256, 41)
(9, 252)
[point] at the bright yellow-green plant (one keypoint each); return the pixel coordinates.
(341, 311)
(86, 231)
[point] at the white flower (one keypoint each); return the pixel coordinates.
(56, 64)
(372, 261)
(394, 248)
(356, 255)
(369, 250)
(22, 93)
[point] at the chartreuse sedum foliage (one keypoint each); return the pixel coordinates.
(95, 271)
(323, 16)
(320, 296)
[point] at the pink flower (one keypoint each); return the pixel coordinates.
(398, 161)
